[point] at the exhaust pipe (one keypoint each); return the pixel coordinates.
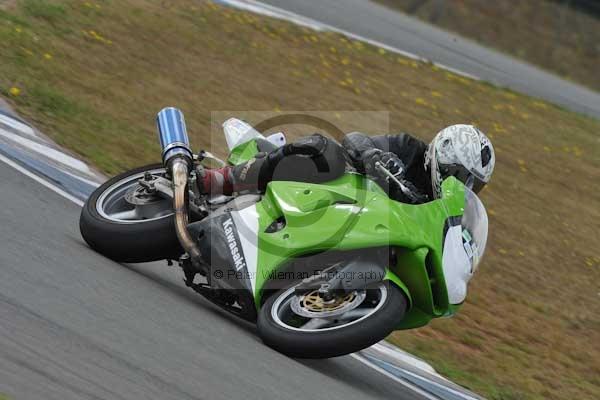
(177, 157)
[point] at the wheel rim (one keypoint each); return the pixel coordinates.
(282, 310)
(113, 205)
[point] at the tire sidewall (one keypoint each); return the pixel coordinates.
(336, 342)
(128, 242)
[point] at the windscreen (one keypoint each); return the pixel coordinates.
(475, 227)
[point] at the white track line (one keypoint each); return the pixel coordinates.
(393, 377)
(15, 124)
(49, 152)
(439, 385)
(401, 356)
(40, 180)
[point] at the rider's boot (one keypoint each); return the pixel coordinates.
(216, 181)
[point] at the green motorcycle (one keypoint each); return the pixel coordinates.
(323, 269)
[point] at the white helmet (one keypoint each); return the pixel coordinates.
(462, 151)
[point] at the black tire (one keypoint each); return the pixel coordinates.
(337, 342)
(138, 242)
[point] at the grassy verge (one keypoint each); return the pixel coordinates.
(93, 74)
(555, 35)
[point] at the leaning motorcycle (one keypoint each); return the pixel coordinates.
(323, 269)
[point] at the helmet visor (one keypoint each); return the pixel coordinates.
(464, 175)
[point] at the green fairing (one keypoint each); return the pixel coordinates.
(353, 212)
(243, 152)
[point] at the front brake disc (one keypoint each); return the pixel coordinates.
(312, 305)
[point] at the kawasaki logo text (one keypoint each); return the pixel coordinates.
(238, 258)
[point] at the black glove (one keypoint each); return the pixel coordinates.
(408, 193)
(388, 159)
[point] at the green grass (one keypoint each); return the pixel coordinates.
(94, 75)
(46, 10)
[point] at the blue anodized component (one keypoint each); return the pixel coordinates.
(172, 134)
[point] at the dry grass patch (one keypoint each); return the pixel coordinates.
(92, 75)
(561, 36)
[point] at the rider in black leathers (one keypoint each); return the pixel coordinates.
(318, 159)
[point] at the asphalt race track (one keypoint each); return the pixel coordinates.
(75, 325)
(376, 22)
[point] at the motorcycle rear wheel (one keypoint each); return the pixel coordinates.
(130, 233)
(382, 308)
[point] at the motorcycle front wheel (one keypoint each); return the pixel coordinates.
(305, 326)
(125, 223)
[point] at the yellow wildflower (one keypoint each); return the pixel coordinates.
(498, 128)
(48, 56)
(15, 91)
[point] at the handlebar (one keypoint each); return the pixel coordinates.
(379, 166)
(391, 177)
